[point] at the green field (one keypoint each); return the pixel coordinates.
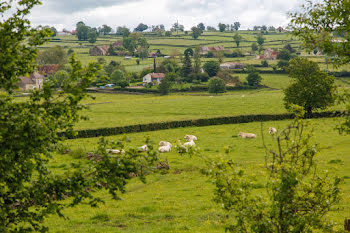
(181, 201)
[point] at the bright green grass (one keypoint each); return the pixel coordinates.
(181, 201)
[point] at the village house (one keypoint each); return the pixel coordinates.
(269, 54)
(231, 66)
(34, 81)
(154, 78)
(103, 50)
(206, 49)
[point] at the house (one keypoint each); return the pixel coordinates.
(48, 69)
(34, 81)
(64, 33)
(103, 50)
(99, 50)
(231, 65)
(154, 78)
(269, 54)
(152, 55)
(206, 49)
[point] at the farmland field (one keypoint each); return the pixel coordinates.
(181, 200)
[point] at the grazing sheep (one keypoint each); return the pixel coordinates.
(143, 148)
(115, 151)
(164, 149)
(272, 130)
(190, 143)
(164, 143)
(246, 135)
(190, 138)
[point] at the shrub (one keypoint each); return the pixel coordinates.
(264, 63)
(254, 79)
(77, 153)
(216, 85)
(211, 68)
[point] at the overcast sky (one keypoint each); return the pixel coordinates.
(66, 13)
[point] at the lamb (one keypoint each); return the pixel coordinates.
(272, 130)
(164, 149)
(164, 143)
(143, 148)
(190, 143)
(246, 135)
(190, 138)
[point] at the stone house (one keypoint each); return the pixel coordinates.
(154, 78)
(206, 49)
(269, 54)
(34, 81)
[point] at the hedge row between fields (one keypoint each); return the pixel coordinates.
(90, 133)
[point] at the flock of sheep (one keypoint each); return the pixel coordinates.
(165, 146)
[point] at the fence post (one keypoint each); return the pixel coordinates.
(347, 224)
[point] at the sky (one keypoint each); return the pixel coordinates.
(66, 13)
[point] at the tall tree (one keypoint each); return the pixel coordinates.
(92, 35)
(197, 61)
(196, 32)
(29, 134)
(238, 38)
(141, 27)
(222, 27)
(105, 29)
(260, 39)
(187, 68)
(312, 88)
(201, 26)
(54, 31)
(236, 25)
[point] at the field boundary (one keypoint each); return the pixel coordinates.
(91, 133)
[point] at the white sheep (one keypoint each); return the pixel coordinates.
(164, 149)
(143, 148)
(189, 144)
(246, 135)
(164, 143)
(272, 130)
(113, 151)
(190, 138)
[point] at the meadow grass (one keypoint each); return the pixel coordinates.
(181, 200)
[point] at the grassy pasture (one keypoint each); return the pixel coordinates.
(181, 201)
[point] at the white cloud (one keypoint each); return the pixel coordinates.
(65, 13)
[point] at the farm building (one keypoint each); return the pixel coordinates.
(155, 78)
(103, 50)
(269, 54)
(206, 49)
(34, 81)
(231, 65)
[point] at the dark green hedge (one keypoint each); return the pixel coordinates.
(89, 133)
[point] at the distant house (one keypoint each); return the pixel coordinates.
(152, 55)
(231, 65)
(103, 50)
(65, 33)
(269, 54)
(206, 49)
(155, 78)
(34, 81)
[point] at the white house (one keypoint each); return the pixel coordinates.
(154, 78)
(231, 65)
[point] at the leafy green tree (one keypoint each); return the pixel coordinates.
(216, 85)
(105, 30)
(236, 25)
(272, 29)
(260, 39)
(82, 31)
(168, 33)
(297, 195)
(143, 53)
(164, 86)
(117, 76)
(212, 68)
(111, 67)
(124, 31)
(238, 38)
(60, 78)
(54, 55)
(311, 89)
(92, 35)
(141, 27)
(187, 68)
(325, 26)
(130, 44)
(201, 26)
(263, 28)
(29, 134)
(222, 27)
(284, 54)
(254, 47)
(197, 61)
(254, 79)
(196, 32)
(189, 51)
